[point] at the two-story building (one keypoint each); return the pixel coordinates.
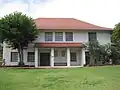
(61, 42)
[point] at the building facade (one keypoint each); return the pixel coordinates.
(60, 42)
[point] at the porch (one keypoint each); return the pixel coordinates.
(59, 57)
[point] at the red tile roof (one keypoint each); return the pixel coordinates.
(66, 23)
(50, 45)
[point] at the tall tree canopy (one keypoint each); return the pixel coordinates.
(18, 30)
(116, 33)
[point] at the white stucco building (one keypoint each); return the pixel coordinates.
(59, 43)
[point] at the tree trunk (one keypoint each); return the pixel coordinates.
(20, 54)
(97, 59)
(92, 60)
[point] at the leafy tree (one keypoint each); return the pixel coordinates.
(115, 53)
(116, 33)
(110, 51)
(99, 54)
(94, 51)
(18, 30)
(116, 41)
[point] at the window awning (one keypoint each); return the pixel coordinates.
(60, 45)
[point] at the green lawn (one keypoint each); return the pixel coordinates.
(94, 78)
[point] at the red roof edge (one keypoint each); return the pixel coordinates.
(58, 45)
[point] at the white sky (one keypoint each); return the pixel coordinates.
(100, 12)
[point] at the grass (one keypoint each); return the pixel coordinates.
(93, 78)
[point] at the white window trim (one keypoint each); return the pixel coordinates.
(62, 36)
(45, 37)
(33, 58)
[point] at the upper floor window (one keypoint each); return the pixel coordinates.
(48, 36)
(58, 36)
(69, 36)
(92, 36)
(14, 56)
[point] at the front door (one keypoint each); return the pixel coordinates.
(44, 59)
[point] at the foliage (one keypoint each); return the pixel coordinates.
(116, 44)
(94, 51)
(100, 54)
(116, 33)
(115, 53)
(18, 30)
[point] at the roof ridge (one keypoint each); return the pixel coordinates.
(53, 18)
(91, 24)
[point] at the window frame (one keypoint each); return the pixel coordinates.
(56, 53)
(68, 37)
(71, 58)
(90, 36)
(47, 37)
(58, 37)
(63, 53)
(15, 57)
(28, 57)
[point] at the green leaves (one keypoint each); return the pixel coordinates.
(18, 28)
(116, 33)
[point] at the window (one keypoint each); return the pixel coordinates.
(56, 53)
(73, 56)
(63, 53)
(58, 36)
(92, 36)
(14, 56)
(69, 36)
(48, 36)
(30, 57)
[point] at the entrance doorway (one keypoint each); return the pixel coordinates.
(44, 59)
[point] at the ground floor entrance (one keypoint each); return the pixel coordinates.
(59, 57)
(63, 55)
(44, 59)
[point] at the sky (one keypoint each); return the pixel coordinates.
(104, 13)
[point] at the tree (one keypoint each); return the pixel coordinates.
(116, 33)
(18, 30)
(99, 54)
(116, 42)
(94, 51)
(111, 51)
(115, 53)
(105, 52)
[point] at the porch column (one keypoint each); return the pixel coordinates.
(68, 57)
(83, 62)
(52, 57)
(36, 57)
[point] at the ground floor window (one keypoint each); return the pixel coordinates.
(14, 56)
(73, 56)
(30, 57)
(62, 53)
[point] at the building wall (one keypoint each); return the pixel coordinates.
(7, 55)
(57, 59)
(79, 36)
